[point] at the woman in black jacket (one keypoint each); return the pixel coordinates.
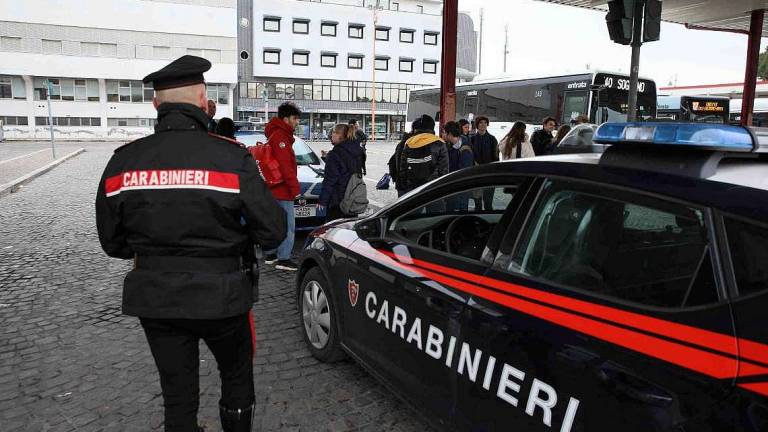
(341, 162)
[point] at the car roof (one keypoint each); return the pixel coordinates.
(739, 187)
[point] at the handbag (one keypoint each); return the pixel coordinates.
(383, 183)
(269, 167)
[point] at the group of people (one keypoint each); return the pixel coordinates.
(459, 147)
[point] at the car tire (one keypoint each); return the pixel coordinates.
(317, 317)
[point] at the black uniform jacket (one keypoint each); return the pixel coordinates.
(185, 205)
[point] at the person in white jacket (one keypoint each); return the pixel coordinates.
(516, 144)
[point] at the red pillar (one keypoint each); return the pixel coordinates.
(448, 63)
(753, 59)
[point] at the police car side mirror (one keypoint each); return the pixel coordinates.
(370, 229)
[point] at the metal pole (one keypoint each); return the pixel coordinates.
(637, 42)
(50, 120)
(448, 72)
(266, 104)
(753, 59)
(480, 50)
(506, 41)
(373, 74)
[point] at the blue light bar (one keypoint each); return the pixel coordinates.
(705, 136)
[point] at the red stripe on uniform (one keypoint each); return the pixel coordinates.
(113, 183)
(705, 338)
(252, 326)
(223, 180)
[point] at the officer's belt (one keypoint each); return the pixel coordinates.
(188, 264)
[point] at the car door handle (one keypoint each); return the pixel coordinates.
(636, 388)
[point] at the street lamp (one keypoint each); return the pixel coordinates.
(50, 116)
(375, 9)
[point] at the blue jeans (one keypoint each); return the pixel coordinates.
(286, 247)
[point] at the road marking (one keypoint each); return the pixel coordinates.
(23, 156)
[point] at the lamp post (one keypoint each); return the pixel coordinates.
(50, 117)
(373, 73)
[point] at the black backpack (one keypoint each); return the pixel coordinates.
(415, 167)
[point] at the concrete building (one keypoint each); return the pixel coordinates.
(326, 56)
(466, 53)
(94, 54)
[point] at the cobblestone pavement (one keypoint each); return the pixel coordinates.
(69, 361)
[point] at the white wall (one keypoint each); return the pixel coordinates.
(287, 41)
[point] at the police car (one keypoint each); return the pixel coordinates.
(626, 291)
(310, 174)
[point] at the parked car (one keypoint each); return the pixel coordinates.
(310, 173)
(624, 291)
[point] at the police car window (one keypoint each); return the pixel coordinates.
(749, 253)
(460, 223)
(618, 244)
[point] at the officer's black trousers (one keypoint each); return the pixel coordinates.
(175, 347)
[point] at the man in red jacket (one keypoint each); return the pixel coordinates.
(279, 133)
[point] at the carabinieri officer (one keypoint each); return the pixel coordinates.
(174, 203)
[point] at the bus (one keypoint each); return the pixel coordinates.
(759, 112)
(702, 109)
(601, 96)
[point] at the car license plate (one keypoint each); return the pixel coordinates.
(304, 211)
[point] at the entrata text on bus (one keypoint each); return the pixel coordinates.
(599, 95)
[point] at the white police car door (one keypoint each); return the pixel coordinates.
(406, 325)
(603, 314)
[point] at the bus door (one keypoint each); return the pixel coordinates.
(470, 104)
(574, 104)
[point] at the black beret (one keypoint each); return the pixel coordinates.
(184, 71)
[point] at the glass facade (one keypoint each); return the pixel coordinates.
(328, 90)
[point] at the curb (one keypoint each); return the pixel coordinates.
(14, 185)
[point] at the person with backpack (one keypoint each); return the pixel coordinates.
(420, 157)
(344, 191)
(279, 132)
(516, 144)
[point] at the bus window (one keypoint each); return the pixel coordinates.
(574, 105)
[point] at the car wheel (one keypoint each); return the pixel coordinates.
(318, 315)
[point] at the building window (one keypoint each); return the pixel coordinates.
(355, 62)
(161, 52)
(131, 122)
(271, 24)
(129, 91)
(420, 8)
(301, 58)
(430, 67)
(218, 93)
(395, 6)
(328, 29)
(406, 36)
(382, 33)
(51, 46)
(10, 43)
(14, 121)
(382, 63)
(94, 49)
(271, 56)
(328, 60)
(67, 89)
(301, 26)
(430, 38)
(355, 31)
(406, 65)
(12, 88)
(69, 121)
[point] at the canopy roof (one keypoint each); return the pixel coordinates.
(725, 15)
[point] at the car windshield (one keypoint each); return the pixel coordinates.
(304, 154)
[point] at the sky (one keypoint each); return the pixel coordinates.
(549, 39)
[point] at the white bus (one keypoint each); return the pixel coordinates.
(601, 96)
(759, 112)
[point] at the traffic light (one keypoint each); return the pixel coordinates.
(619, 20)
(652, 25)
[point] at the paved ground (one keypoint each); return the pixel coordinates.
(70, 362)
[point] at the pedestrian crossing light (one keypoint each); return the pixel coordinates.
(652, 25)
(619, 20)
